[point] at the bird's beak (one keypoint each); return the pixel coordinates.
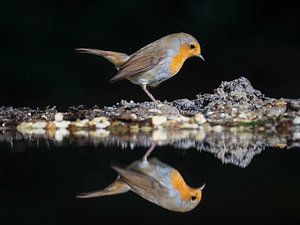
(201, 57)
(202, 187)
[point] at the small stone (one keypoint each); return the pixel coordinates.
(24, 127)
(158, 120)
(146, 128)
(102, 123)
(134, 128)
(188, 126)
(60, 134)
(39, 125)
(81, 133)
(296, 135)
(51, 126)
(184, 118)
(199, 118)
(62, 125)
(296, 121)
(38, 131)
(200, 136)
(96, 120)
(59, 117)
(157, 111)
(81, 123)
(159, 135)
(99, 133)
(217, 128)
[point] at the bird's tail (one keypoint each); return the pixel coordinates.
(117, 187)
(117, 58)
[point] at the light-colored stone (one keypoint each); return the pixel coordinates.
(217, 128)
(62, 125)
(200, 118)
(102, 122)
(81, 123)
(158, 120)
(159, 135)
(157, 111)
(24, 127)
(296, 120)
(99, 133)
(60, 134)
(188, 125)
(96, 120)
(184, 118)
(296, 135)
(59, 117)
(39, 125)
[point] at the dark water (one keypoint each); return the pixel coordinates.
(38, 186)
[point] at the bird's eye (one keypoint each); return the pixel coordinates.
(193, 198)
(192, 46)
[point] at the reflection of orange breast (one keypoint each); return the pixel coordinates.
(180, 185)
(178, 60)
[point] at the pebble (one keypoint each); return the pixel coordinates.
(155, 111)
(102, 123)
(100, 119)
(158, 120)
(217, 128)
(296, 135)
(81, 123)
(99, 133)
(188, 125)
(39, 125)
(60, 134)
(24, 127)
(59, 117)
(296, 121)
(62, 125)
(159, 135)
(200, 118)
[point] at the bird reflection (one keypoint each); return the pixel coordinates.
(154, 181)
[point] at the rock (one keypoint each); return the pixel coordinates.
(39, 125)
(102, 123)
(217, 128)
(296, 120)
(159, 135)
(62, 125)
(81, 123)
(158, 120)
(100, 119)
(60, 134)
(59, 117)
(186, 125)
(199, 118)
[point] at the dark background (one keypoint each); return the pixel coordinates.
(256, 39)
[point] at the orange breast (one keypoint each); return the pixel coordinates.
(178, 60)
(180, 185)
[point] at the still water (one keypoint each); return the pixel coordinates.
(250, 178)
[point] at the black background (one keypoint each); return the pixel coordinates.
(256, 39)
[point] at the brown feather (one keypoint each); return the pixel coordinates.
(116, 58)
(140, 181)
(142, 61)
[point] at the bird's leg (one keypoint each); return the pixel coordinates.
(144, 87)
(149, 152)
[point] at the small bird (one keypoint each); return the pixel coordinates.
(154, 181)
(154, 63)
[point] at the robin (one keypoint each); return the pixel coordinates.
(154, 63)
(154, 181)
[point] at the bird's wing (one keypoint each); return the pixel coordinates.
(140, 181)
(141, 61)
